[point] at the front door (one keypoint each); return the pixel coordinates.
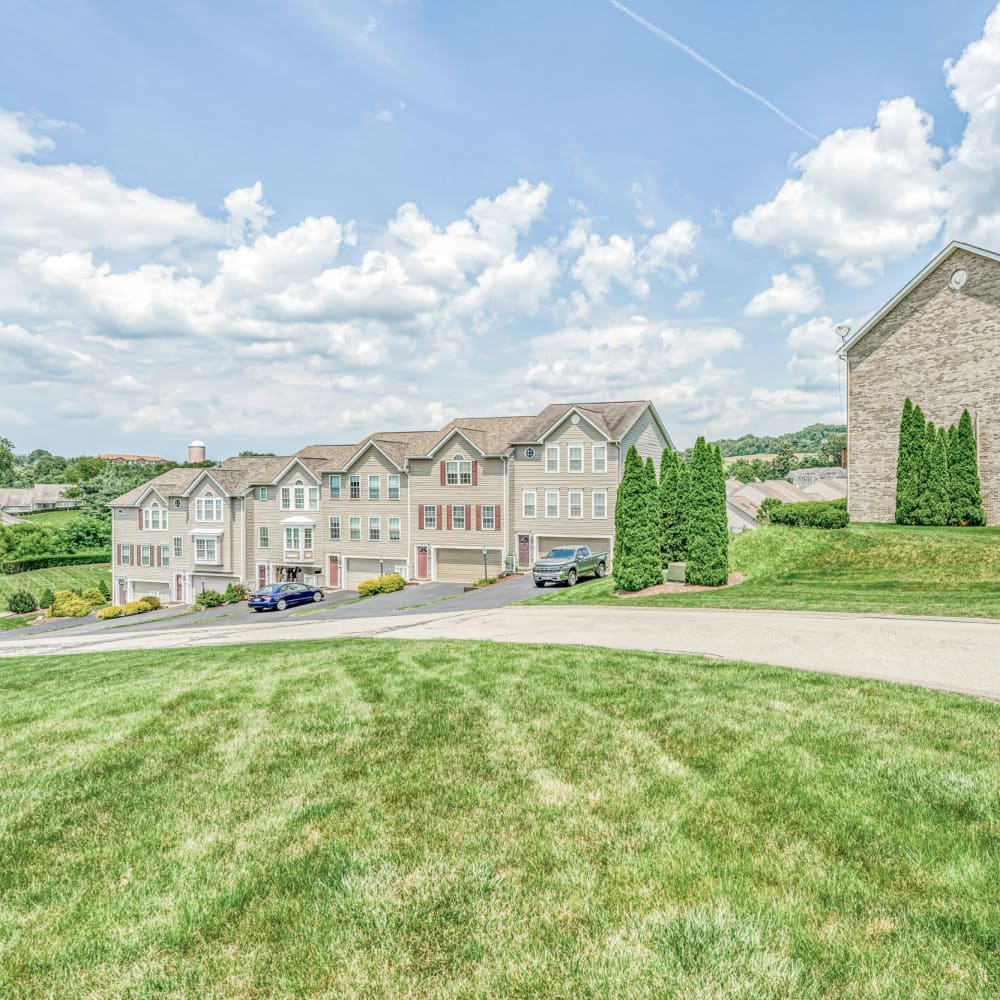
(523, 551)
(178, 587)
(422, 554)
(261, 574)
(122, 585)
(335, 572)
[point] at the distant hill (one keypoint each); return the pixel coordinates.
(807, 440)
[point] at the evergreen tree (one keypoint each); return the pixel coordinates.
(934, 506)
(705, 518)
(911, 443)
(963, 466)
(673, 481)
(637, 526)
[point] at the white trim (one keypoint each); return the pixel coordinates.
(296, 461)
(217, 532)
(593, 515)
(151, 489)
(573, 409)
(298, 519)
(524, 514)
(545, 459)
(364, 447)
(205, 474)
(554, 516)
(569, 505)
(583, 460)
(448, 436)
(593, 465)
(867, 327)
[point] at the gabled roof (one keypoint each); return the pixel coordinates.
(868, 326)
(212, 474)
(491, 435)
(290, 463)
(173, 482)
(612, 419)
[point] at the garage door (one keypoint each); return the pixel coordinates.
(594, 544)
(359, 570)
(218, 583)
(141, 588)
(465, 565)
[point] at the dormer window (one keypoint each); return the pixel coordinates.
(208, 507)
(458, 472)
(154, 517)
(299, 493)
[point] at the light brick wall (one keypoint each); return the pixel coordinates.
(942, 349)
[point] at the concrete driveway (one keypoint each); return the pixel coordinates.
(961, 655)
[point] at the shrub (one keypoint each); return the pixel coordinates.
(387, 584)
(671, 493)
(235, 592)
(22, 564)
(66, 604)
(130, 608)
(209, 599)
(963, 465)
(637, 561)
(21, 602)
(705, 522)
(151, 601)
(94, 596)
(45, 598)
(109, 612)
(814, 514)
(104, 585)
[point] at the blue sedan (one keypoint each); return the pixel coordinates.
(278, 596)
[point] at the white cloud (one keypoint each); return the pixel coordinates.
(691, 300)
(247, 212)
(792, 294)
(797, 402)
(385, 116)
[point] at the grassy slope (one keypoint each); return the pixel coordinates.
(55, 578)
(375, 819)
(51, 518)
(865, 567)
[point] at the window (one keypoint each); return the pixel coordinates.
(335, 527)
(394, 529)
(394, 487)
(489, 516)
(355, 487)
(551, 503)
(552, 458)
(458, 472)
(374, 529)
(430, 516)
(576, 503)
(300, 495)
(599, 499)
(286, 498)
(154, 518)
(264, 537)
(126, 555)
(576, 458)
(528, 503)
(145, 555)
(205, 550)
(374, 487)
(458, 517)
(314, 498)
(334, 487)
(529, 453)
(208, 507)
(293, 538)
(164, 555)
(178, 547)
(262, 493)
(355, 529)
(600, 458)
(307, 538)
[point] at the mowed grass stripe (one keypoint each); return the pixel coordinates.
(55, 578)
(374, 818)
(887, 569)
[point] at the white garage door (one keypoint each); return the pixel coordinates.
(594, 544)
(218, 583)
(142, 588)
(465, 565)
(359, 570)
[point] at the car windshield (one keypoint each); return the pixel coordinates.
(561, 554)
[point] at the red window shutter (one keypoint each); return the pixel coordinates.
(133, 551)
(420, 516)
(496, 516)
(159, 555)
(468, 517)
(475, 473)
(119, 547)
(443, 475)
(479, 517)
(140, 519)
(440, 518)
(449, 516)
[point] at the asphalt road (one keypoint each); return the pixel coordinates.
(960, 655)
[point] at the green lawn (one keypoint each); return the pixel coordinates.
(428, 820)
(51, 518)
(864, 567)
(56, 578)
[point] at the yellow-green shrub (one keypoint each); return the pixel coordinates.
(151, 601)
(109, 612)
(66, 604)
(381, 585)
(94, 596)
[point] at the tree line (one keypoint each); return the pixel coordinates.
(678, 517)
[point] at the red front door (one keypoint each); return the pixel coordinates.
(422, 554)
(523, 551)
(334, 571)
(179, 587)
(261, 576)
(121, 591)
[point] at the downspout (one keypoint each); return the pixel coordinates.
(243, 539)
(409, 521)
(506, 519)
(114, 562)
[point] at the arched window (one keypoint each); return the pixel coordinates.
(300, 495)
(208, 507)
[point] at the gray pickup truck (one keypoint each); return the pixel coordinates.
(568, 565)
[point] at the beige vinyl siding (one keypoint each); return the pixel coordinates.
(465, 565)
(270, 514)
(647, 438)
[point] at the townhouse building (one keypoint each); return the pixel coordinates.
(478, 496)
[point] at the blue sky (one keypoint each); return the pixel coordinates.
(266, 225)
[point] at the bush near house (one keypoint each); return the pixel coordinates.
(705, 521)
(45, 599)
(815, 514)
(637, 562)
(209, 599)
(21, 602)
(387, 584)
(94, 596)
(67, 604)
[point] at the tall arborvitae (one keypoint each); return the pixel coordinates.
(934, 506)
(963, 467)
(637, 526)
(909, 464)
(673, 480)
(705, 518)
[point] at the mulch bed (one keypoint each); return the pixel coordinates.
(679, 588)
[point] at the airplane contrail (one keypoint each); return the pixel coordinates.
(698, 57)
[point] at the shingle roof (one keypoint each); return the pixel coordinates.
(611, 418)
(492, 435)
(169, 483)
(40, 493)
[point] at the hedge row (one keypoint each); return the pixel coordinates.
(814, 514)
(140, 607)
(27, 563)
